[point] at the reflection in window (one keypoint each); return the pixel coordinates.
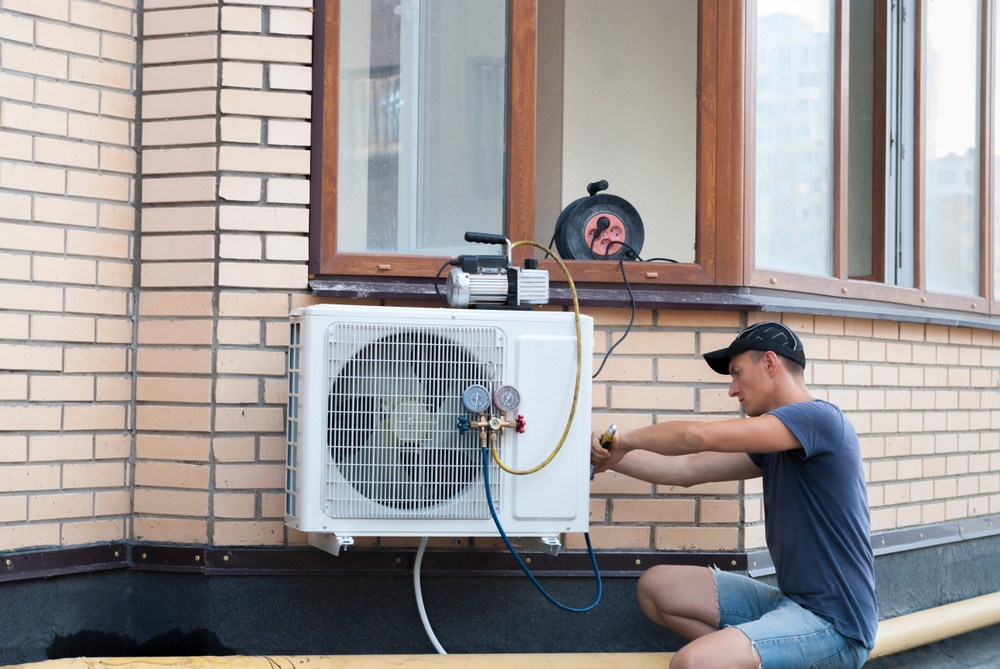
(794, 148)
(951, 103)
(996, 169)
(421, 124)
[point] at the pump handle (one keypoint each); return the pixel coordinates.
(597, 186)
(485, 238)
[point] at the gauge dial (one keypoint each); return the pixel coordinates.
(476, 399)
(506, 398)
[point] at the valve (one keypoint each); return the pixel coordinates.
(520, 424)
(463, 424)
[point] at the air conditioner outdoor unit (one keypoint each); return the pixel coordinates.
(374, 443)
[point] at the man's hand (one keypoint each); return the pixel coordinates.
(602, 458)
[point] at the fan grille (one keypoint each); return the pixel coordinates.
(394, 399)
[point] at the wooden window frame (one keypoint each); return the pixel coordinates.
(721, 137)
(840, 285)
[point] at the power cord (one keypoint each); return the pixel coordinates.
(437, 281)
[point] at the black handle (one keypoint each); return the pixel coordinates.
(597, 187)
(485, 238)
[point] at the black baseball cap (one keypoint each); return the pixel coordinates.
(769, 336)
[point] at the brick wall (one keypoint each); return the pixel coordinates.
(222, 206)
(67, 166)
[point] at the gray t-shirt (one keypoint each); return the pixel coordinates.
(817, 522)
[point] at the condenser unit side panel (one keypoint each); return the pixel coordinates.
(545, 372)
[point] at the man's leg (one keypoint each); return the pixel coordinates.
(685, 599)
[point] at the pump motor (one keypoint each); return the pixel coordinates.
(495, 280)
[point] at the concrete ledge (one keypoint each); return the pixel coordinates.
(525, 661)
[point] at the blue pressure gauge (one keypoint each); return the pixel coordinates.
(476, 399)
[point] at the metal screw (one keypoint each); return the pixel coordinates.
(638, 561)
(143, 556)
(398, 560)
(116, 553)
(9, 563)
(528, 560)
(225, 558)
(734, 563)
(197, 558)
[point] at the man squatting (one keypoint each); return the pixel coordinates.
(823, 612)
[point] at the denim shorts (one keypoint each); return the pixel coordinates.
(783, 633)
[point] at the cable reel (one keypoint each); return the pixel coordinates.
(596, 227)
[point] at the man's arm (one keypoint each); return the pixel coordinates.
(686, 470)
(760, 434)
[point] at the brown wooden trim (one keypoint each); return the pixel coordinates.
(720, 140)
(841, 140)
(985, 153)
(323, 190)
(879, 134)
(749, 118)
(522, 30)
(865, 290)
(47, 562)
(919, 149)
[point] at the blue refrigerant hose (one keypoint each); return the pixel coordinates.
(520, 562)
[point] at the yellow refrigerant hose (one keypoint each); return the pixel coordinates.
(579, 364)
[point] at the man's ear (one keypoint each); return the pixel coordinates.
(771, 363)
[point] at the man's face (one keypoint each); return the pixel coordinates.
(751, 383)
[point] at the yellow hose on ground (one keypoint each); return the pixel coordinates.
(579, 364)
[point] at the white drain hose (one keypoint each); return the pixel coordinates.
(420, 598)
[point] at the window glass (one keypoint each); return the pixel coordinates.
(421, 124)
(794, 143)
(860, 154)
(951, 102)
(996, 164)
(617, 100)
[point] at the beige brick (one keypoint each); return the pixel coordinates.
(184, 189)
(244, 305)
(173, 419)
(15, 87)
(17, 29)
(179, 77)
(114, 389)
(31, 238)
(15, 146)
(613, 483)
(717, 401)
(178, 247)
(239, 333)
(15, 357)
(15, 449)
(105, 302)
(29, 536)
(104, 360)
(65, 270)
(121, 49)
(263, 363)
(62, 328)
(253, 477)
(272, 448)
(112, 446)
(264, 219)
(29, 478)
(177, 274)
(290, 77)
(179, 49)
(255, 533)
(246, 130)
(171, 475)
(276, 334)
(178, 219)
(234, 449)
(234, 505)
(249, 420)
(67, 96)
(276, 391)
(101, 186)
(291, 22)
(176, 105)
(13, 326)
(282, 161)
(94, 475)
(67, 38)
(101, 17)
(266, 104)
(242, 189)
(176, 361)
(175, 332)
(159, 389)
(30, 178)
(104, 130)
(94, 73)
(63, 210)
(113, 503)
(180, 303)
(685, 371)
(296, 191)
(652, 510)
(59, 506)
(174, 161)
(172, 447)
(16, 207)
(696, 538)
(268, 49)
(242, 75)
(241, 19)
(117, 160)
(100, 244)
(165, 133)
(116, 217)
(237, 391)
(652, 397)
(26, 59)
(180, 21)
(173, 530)
(263, 275)
(13, 387)
(718, 511)
(13, 509)
(171, 503)
(96, 417)
(33, 298)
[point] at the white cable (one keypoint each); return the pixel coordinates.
(420, 598)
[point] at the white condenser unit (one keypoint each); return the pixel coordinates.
(376, 445)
